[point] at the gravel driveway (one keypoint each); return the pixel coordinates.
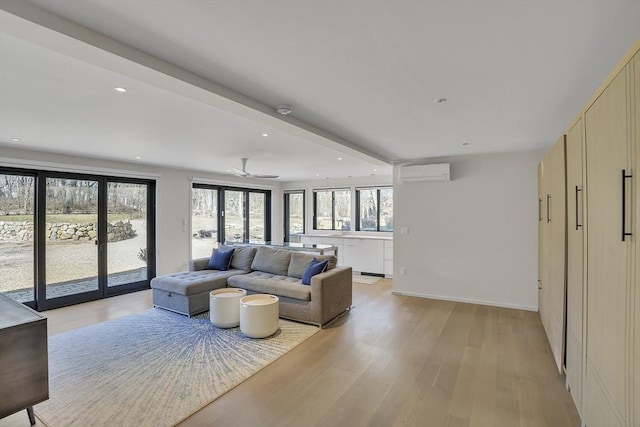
(68, 260)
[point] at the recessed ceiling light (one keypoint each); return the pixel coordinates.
(265, 134)
(317, 174)
(375, 170)
(138, 157)
(339, 158)
(16, 139)
(120, 89)
(441, 100)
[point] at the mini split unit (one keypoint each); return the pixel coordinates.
(433, 172)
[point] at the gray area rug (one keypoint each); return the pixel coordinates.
(155, 368)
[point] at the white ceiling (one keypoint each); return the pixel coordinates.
(362, 77)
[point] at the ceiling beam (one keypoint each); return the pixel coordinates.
(24, 21)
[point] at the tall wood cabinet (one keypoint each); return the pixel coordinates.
(551, 285)
(609, 267)
(575, 264)
(600, 330)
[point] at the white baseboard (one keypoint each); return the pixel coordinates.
(465, 300)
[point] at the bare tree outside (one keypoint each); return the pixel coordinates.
(17, 198)
(204, 221)
(71, 232)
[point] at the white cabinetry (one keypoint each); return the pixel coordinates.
(365, 254)
(388, 258)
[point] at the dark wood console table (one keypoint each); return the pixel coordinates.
(24, 366)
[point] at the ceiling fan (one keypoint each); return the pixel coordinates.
(244, 174)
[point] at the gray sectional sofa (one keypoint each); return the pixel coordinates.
(262, 270)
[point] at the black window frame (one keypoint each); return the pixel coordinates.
(287, 194)
(358, 219)
(333, 208)
(221, 209)
(41, 302)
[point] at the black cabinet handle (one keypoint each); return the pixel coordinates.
(577, 191)
(624, 203)
(548, 208)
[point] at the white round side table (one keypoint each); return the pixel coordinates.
(259, 315)
(224, 307)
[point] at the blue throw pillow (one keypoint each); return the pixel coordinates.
(220, 260)
(314, 267)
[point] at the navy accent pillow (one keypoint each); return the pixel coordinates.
(220, 260)
(314, 267)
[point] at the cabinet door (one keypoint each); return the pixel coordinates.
(552, 294)
(364, 255)
(608, 261)
(575, 227)
(636, 310)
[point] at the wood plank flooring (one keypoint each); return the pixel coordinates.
(393, 361)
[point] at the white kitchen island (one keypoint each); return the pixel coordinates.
(363, 253)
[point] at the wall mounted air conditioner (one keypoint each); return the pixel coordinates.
(434, 172)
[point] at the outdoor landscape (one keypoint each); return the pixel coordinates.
(71, 234)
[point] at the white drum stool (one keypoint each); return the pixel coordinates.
(224, 307)
(259, 315)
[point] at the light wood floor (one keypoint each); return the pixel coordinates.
(393, 361)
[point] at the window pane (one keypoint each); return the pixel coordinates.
(204, 221)
(368, 209)
(126, 233)
(16, 236)
(233, 216)
(256, 217)
(296, 213)
(386, 209)
(323, 210)
(72, 218)
(343, 210)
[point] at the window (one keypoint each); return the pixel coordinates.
(374, 209)
(69, 238)
(204, 221)
(293, 215)
(228, 214)
(332, 210)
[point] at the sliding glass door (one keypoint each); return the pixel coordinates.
(293, 215)
(71, 245)
(127, 234)
(234, 216)
(228, 214)
(17, 219)
(92, 236)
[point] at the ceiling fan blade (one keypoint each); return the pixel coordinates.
(240, 172)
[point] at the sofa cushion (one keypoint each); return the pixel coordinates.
(315, 267)
(267, 283)
(193, 282)
(220, 260)
(269, 260)
(242, 257)
(300, 261)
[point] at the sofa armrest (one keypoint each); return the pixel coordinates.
(198, 264)
(333, 289)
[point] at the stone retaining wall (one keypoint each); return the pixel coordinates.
(22, 231)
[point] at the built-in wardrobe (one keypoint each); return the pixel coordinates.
(589, 261)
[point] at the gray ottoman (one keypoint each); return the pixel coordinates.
(187, 292)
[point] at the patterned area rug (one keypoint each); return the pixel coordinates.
(155, 368)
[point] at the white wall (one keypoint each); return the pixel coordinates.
(474, 238)
(173, 196)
